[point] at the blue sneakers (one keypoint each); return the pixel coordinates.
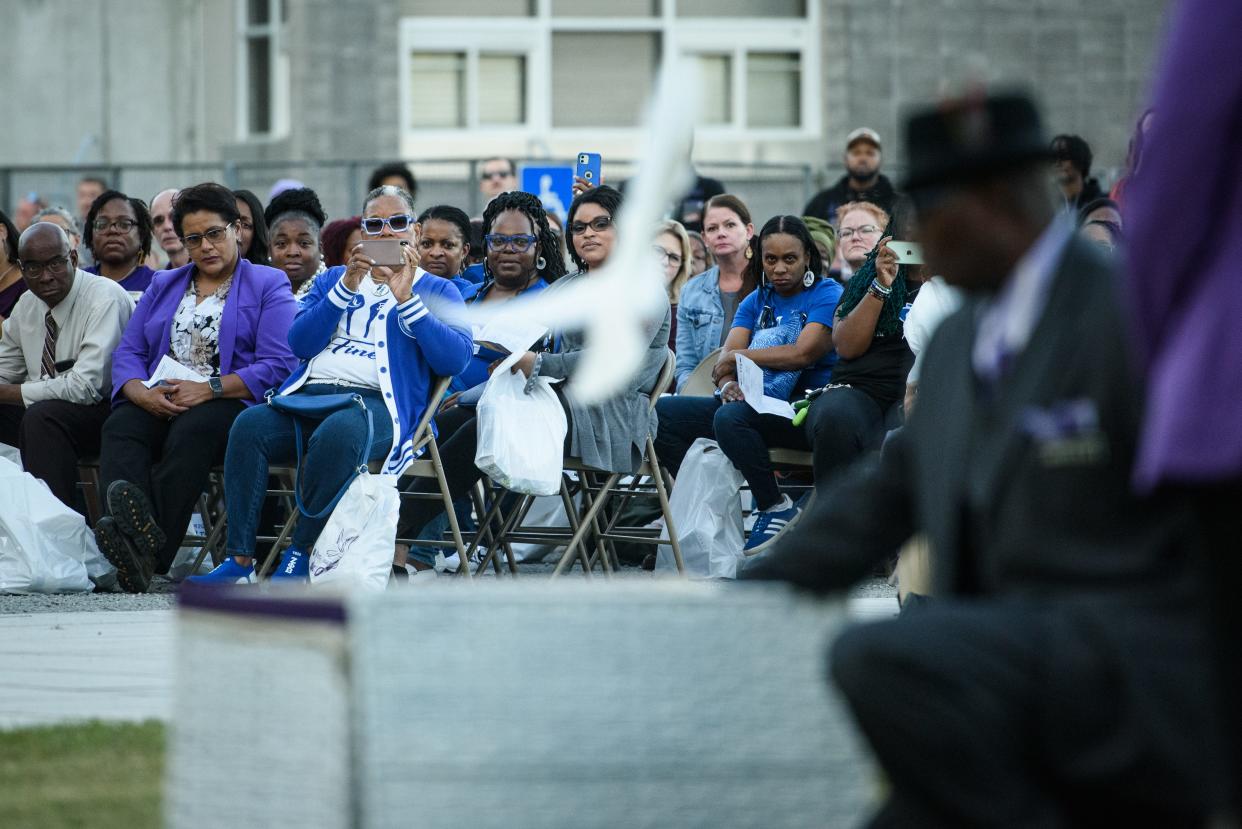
(294, 567)
(770, 524)
(227, 572)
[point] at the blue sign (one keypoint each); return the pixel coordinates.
(552, 185)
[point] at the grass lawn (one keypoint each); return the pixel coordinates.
(97, 775)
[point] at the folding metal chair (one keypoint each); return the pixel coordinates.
(431, 467)
(699, 383)
(596, 497)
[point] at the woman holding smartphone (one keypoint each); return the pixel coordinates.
(610, 435)
(869, 379)
(381, 332)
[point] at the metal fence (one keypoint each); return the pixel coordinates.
(767, 188)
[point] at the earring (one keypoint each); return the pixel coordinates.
(808, 278)
(749, 253)
(541, 263)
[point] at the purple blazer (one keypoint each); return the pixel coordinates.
(1183, 294)
(254, 330)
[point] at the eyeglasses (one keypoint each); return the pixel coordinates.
(488, 175)
(520, 243)
(242, 224)
(215, 236)
(666, 257)
(397, 224)
(56, 264)
(850, 232)
(599, 224)
(122, 225)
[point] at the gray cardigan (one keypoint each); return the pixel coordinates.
(611, 435)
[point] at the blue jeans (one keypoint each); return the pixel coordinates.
(262, 436)
(744, 436)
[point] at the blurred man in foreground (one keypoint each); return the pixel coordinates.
(1057, 677)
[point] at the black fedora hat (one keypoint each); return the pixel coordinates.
(968, 138)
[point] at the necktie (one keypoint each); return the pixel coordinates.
(49, 345)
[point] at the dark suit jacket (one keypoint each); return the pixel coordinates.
(1022, 489)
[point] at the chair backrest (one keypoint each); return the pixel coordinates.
(666, 379)
(699, 383)
(422, 435)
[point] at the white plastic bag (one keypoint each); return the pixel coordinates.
(707, 514)
(45, 547)
(356, 545)
(521, 435)
(183, 562)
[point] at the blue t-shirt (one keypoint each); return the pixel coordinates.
(475, 274)
(818, 303)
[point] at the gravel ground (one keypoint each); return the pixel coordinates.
(163, 594)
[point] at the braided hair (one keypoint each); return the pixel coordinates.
(299, 203)
(793, 226)
(889, 322)
(146, 229)
(532, 208)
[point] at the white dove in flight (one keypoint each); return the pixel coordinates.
(614, 302)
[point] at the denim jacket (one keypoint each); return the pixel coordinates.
(700, 316)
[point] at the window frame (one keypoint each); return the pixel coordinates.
(278, 71)
(432, 36)
(532, 36)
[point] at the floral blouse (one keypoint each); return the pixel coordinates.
(195, 341)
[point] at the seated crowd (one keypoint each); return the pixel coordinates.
(1059, 675)
(164, 363)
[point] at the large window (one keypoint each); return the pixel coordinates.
(263, 79)
(466, 89)
(602, 79)
(559, 68)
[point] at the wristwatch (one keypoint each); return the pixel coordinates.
(217, 387)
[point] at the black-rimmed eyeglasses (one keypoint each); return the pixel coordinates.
(599, 224)
(34, 270)
(121, 225)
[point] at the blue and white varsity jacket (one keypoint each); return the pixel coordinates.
(426, 336)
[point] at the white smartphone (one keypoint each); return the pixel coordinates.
(908, 253)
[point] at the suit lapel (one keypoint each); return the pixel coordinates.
(1039, 366)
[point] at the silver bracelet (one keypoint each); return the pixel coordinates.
(534, 372)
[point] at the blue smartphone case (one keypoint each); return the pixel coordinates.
(588, 167)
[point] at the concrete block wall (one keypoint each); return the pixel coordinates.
(343, 74)
(1089, 64)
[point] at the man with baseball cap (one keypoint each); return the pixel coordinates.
(1058, 675)
(862, 180)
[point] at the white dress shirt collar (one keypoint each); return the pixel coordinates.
(1005, 322)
